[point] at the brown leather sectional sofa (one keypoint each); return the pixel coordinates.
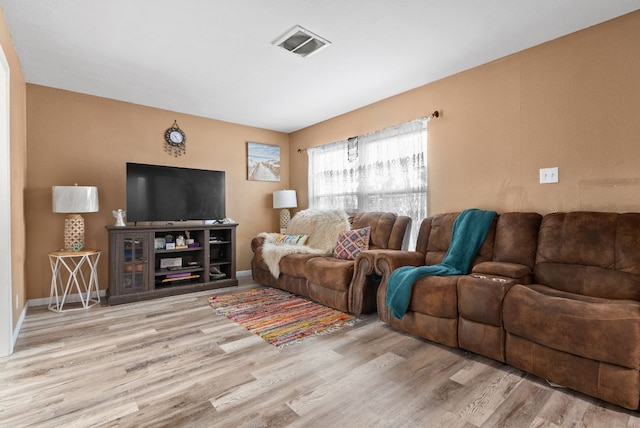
(346, 285)
(556, 296)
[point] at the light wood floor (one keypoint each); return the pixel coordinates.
(174, 362)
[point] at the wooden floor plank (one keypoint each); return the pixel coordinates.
(175, 362)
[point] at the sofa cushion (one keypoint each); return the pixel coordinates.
(330, 272)
(435, 296)
(590, 327)
(439, 239)
(294, 264)
(590, 253)
(516, 238)
(589, 280)
(351, 243)
(380, 224)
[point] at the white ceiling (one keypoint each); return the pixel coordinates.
(214, 58)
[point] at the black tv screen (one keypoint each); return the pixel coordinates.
(165, 193)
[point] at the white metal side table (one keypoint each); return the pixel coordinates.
(74, 271)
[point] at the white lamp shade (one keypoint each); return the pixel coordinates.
(284, 199)
(75, 199)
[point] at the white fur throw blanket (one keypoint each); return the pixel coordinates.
(323, 227)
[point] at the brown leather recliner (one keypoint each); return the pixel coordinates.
(434, 307)
(578, 325)
(346, 285)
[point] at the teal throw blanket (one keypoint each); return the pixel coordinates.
(469, 231)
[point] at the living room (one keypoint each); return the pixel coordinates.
(571, 102)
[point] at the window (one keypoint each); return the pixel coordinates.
(381, 171)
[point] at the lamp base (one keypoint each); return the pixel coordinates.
(285, 217)
(74, 232)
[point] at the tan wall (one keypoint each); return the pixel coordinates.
(75, 138)
(18, 155)
(573, 103)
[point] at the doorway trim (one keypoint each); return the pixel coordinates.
(6, 320)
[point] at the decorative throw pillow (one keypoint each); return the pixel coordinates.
(291, 239)
(351, 243)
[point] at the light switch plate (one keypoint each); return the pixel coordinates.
(549, 175)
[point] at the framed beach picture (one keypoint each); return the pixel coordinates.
(263, 162)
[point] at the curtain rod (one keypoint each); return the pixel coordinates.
(434, 115)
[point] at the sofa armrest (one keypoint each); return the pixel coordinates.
(364, 284)
(256, 243)
(366, 260)
(387, 261)
(522, 273)
(366, 278)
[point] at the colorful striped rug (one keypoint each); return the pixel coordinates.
(279, 317)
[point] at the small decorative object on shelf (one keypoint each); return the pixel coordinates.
(216, 274)
(169, 243)
(159, 243)
(119, 215)
(175, 140)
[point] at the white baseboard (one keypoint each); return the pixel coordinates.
(44, 301)
(243, 273)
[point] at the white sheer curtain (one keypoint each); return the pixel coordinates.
(387, 172)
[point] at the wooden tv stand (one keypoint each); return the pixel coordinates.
(138, 266)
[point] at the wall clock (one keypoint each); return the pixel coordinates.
(175, 140)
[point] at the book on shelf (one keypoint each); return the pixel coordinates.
(178, 275)
(179, 278)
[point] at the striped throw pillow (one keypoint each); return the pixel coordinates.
(291, 239)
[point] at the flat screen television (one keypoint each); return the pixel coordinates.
(166, 193)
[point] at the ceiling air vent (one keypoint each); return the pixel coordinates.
(301, 42)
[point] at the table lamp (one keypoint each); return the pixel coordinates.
(74, 200)
(283, 200)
